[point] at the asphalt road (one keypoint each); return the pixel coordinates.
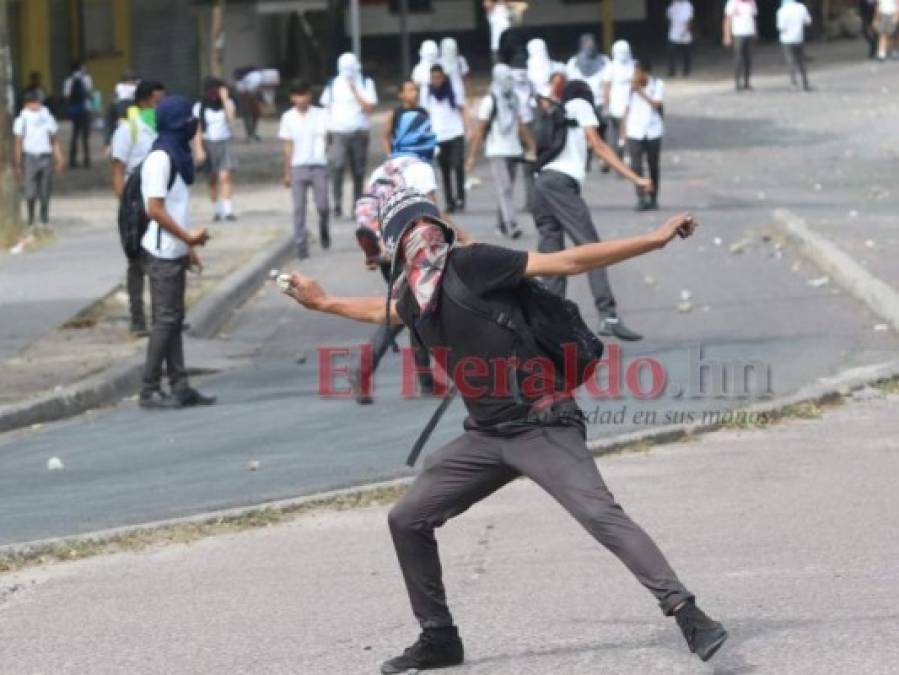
(730, 158)
(787, 536)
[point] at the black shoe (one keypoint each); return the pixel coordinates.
(156, 399)
(612, 326)
(302, 252)
(190, 397)
(325, 237)
(139, 329)
(338, 212)
(217, 218)
(231, 218)
(451, 207)
(362, 396)
(435, 648)
(514, 232)
(703, 635)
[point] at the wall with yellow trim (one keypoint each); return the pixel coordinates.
(106, 69)
(34, 41)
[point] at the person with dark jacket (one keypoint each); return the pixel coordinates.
(77, 90)
(537, 433)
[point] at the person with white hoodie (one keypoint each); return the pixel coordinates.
(349, 99)
(616, 79)
(455, 66)
(541, 67)
(428, 57)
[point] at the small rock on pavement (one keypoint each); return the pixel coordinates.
(880, 327)
(649, 280)
(54, 464)
(819, 282)
(685, 307)
(685, 295)
(740, 246)
(869, 243)
(717, 241)
(253, 465)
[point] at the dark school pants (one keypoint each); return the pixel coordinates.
(452, 166)
(168, 280)
(475, 465)
(651, 149)
(795, 56)
(81, 130)
(559, 210)
(348, 151)
(743, 60)
(38, 184)
(680, 53)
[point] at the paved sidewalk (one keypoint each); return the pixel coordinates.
(787, 535)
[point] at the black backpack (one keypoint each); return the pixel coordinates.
(133, 219)
(544, 323)
(551, 126)
(77, 91)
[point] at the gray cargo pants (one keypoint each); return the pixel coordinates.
(560, 210)
(348, 151)
(477, 464)
(303, 178)
(168, 281)
(38, 184)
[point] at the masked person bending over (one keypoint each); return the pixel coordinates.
(438, 285)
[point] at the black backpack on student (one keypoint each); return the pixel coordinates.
(77, 91)
(133, 218)
(551, 125)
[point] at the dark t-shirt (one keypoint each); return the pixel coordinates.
(493, 273)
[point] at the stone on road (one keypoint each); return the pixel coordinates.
(787, 535)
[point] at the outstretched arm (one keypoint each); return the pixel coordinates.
(580, 259)
(610, 157)
(311, 295)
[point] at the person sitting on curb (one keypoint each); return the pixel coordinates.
(507, 434)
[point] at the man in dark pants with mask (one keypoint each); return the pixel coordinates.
(504, 437)
(168, 250)
(559, 209)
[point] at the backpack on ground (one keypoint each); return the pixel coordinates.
(551, 125)
(133, 218)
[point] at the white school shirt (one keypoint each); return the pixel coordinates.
(680, 14)
(86, 80)
(742, 15)
(308, 131)
(791, 22)
(888, 7)
(500, 20)
(217, 126)
(594, 81)
(619, 76)
(446, 121)
(345, 114)
(499, 144)
(643, 121)
(131, 143)
(36, 129)
(573, 159)
(154, 182)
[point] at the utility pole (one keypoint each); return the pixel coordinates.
(10, 216)
(404, 38)
(356, 28)
(608, 24)
(217, 40)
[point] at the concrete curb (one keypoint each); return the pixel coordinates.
(879, 297)
(206, 318)
(826, 390)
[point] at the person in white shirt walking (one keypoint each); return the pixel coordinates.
(349, 100)
(886, 20)
(455, 66)
(644, 128)
(501, 125)
(37, 154)
(559, 208)
(792, 18)
(588, 66)
(428, 57)
(739, 31)
(499, 18)
(304, 130)
(216, 113)
(616, 78)
(541, 67)
(168, 250)
(130, 144)
(680, 37)
(77, 91)
(448, 123)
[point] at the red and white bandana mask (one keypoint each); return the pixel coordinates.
(425, 250)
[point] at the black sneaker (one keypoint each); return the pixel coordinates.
(217, 218)
(157, 399)
(139, 329)
(338, 212)
(514, 232)
(190, 397)
(435, 648)
(324, 236)
(703, 635)
(612, 326)
(231, 218)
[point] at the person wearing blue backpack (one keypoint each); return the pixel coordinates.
(474, 303)
(77, 90)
